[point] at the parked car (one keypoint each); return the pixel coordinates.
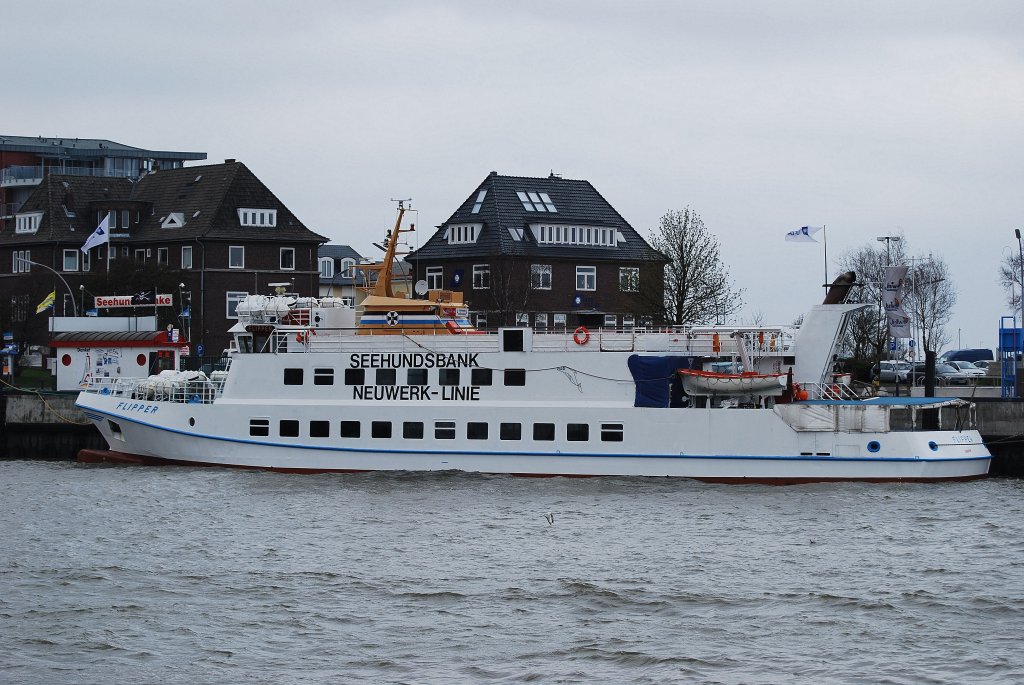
(944, 374)
(891, 372)
(968, 368)
(984, 364)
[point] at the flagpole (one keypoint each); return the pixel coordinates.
(824, 235)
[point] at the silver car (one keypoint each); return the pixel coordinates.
(969, 369)
(891, 371)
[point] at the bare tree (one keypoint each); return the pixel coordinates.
(1010, 278)
(930, 301)
(697, 285)
(510, 289)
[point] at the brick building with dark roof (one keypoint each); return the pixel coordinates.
(550, 252)
(209, 234)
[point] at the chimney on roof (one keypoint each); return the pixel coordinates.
(229, 161)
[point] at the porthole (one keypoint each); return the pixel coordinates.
(191, 421)
(874, 446)
(934, 446)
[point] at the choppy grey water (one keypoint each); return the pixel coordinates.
(182, 575)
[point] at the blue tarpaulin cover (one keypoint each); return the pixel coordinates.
(657, 383)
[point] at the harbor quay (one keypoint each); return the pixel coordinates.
(41, 425)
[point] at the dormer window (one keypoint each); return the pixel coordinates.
(560, 234)
(28, 222)
(326, 268)
(459, 234)
(347, 267)
(536, 202)
(173, 220)
(260, 218)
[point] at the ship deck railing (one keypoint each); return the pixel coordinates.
(702, 342)
(185, 387)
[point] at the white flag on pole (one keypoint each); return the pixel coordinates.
(804, 234)
(99, 236)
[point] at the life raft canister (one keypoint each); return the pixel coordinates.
(581, 336)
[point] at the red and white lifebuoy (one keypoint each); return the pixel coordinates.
(581, 336)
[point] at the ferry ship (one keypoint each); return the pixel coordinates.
(407, 384)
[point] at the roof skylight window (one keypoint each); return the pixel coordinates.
(536, 202)
(479, 202)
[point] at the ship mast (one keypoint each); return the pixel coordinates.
(382, 287)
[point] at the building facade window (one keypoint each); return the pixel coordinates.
(161, 255)
(287, 258)
(233, 298)
(561, 234)
(629, 279)
(540, 320)
(610, 321)
(70, 260)
(559, 320)
(586, 278)
(481, 276)
(261, 218)
(540, 276)
(348, 268)
(435, 278)
(140, 256)
(480, 320)
(186, 257)
(236, 257)
(20, 264)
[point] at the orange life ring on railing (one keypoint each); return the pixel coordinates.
(581, 336)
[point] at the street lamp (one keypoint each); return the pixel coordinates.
(887, 239)
(57, 274)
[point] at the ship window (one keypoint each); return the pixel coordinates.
(476, 430)
(259, 428)
(543, 431)
(323, 376)
(355, 376)
(515, 376)
(511, 431)
(386, 376)
(380, 429)
(319, 429)
(448, 376)
(349, 429)
(480, 376)
(577, 432)
(444, 430)
(416, 377)
(512, 340)
(412, 430)
(115, 428)
(611, 432)
(293, 376)
(289, 428)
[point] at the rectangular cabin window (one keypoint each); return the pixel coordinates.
(448, 376)
(412, 430)
(319, 429)
(288, 428)
(444, 430)
(511, 431)
(293, 376)
(577, 432)
(480, 376)
(355, 376)
(611, 432)
(515, 376)
(416, 377)
(543, 431)
(380, 429)
(349, 429)
(386, 376)
(323, 376)
(476, 430)
(259, 428)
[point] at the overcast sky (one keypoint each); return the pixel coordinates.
(870, 118)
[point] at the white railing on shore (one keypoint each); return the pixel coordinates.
(187, 387)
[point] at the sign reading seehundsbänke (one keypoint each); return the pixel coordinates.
(146, 298)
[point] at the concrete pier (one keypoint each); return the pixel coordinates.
(49, 426)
